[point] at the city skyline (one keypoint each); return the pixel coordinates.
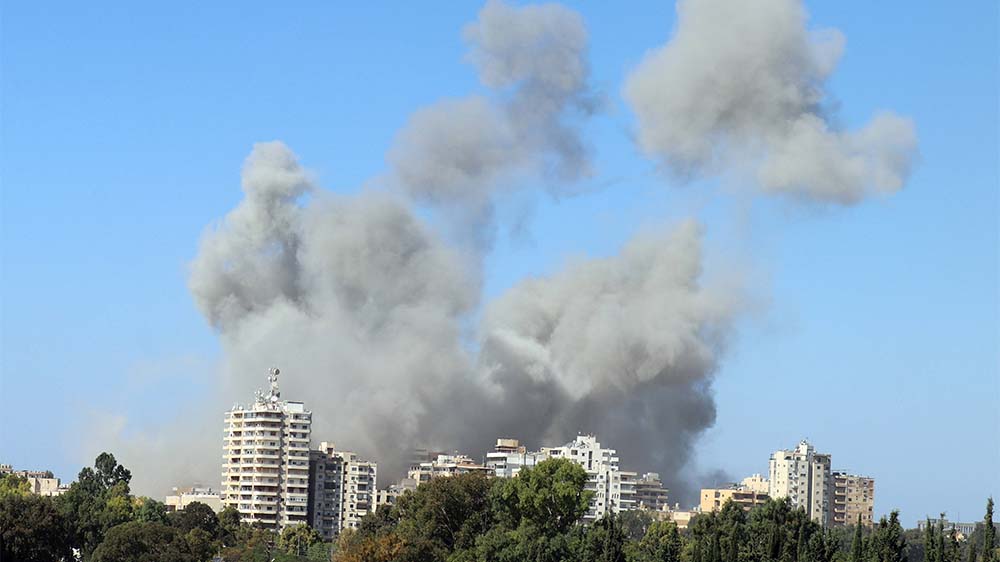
(867, 326)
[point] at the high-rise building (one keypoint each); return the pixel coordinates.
(802, 475)
(650, 493)
(853, 497)
(265, 471)
(614, 491)
(342, 490)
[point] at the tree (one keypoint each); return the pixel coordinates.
(195, 515)
(149, 510)
(96, 502)
(138, 541)
(229, 526)
(989, 534)
(930, 544)
(14, 485)
(942, 554)
(604, 541)
(297, 539)
(857, 544)
(549, 496)
(444, 515)
(635, 523)
(32, 530)
(662, 543)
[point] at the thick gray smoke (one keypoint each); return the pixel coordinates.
(352, 297)
(372, 315)
(363, 308)
(623, 347)
(739, 88)
(461, 154)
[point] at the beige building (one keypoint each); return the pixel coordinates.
(343, 490)
(40, 482)
(265, 470)
(853, 497)
(802, 475)
(681, 517)
(712, 499)
(183, 497)
(756, 483)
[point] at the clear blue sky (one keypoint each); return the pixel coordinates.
(124, 127)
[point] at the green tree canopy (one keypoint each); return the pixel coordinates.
(32, 530)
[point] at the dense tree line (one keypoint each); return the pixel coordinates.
(468, 518)
(102, 521)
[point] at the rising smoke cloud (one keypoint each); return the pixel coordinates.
(363, 306)
(462, 154)
(623, 347)
(373, 316)
(740, 87)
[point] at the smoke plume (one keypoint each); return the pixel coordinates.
(462, 154)
(740, 87)
(376, 319)
(623, 347)
(363, 307)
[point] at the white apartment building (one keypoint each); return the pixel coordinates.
(443, 465)
(342, 491)
(802, 475)
(509, 457)
(614, 490)
(265, 470)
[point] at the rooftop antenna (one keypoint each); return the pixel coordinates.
(272, 378)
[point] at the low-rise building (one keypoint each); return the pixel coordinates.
(756, 483)
(712, 499)
(445, 465)
(183, 497)
(965, 529)
(40, 482)
(682, 517)
(509, 457)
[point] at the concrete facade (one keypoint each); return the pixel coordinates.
(853, 497)
(614, 491)
(343, 489)
(265, 470)
(712, 499)
(802, 475)
(650, 493)
(183, 497)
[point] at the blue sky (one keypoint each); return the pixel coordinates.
(124, 128)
